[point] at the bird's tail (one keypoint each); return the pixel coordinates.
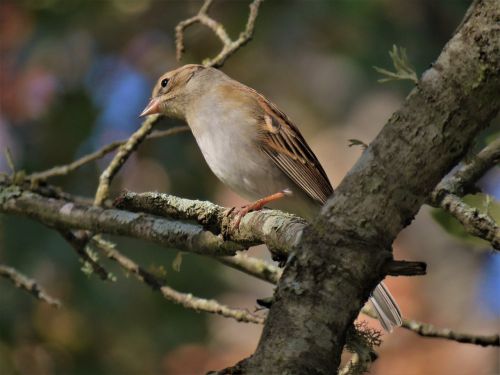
(386, 307)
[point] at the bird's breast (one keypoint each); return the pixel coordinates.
(232, 153)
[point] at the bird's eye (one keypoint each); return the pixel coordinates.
(164, 83)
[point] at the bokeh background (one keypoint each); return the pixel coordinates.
(74, 75)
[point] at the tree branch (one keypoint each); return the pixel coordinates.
(186, 300)
(64, 215)
(121, 157)
(228, 46)
(278, 230)
(78, 241)
(31, 286)
(63, 170)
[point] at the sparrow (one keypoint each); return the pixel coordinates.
(253, 148)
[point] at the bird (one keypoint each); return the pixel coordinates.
(253, 148)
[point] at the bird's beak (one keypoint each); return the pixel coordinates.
(152, 107)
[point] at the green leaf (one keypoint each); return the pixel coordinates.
(403, 70)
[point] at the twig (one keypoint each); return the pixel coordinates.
(187, 300)
(448, 192)
(63, 170)
(121, 157)
(228, 46)
(23, 282)
(78, 241)
(475, 223)
(428, 330)
(253, 266)
(469, 172)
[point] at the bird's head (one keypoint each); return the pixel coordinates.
(172, 92)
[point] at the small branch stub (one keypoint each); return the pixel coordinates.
(405, 268)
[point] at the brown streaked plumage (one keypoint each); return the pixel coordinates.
(287, 148)
(251, 146)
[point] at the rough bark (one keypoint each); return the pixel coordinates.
(69, 215)
(342, 254)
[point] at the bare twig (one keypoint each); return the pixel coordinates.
(23, 282)
(428, 330)
(78, 241)
(474, 222)
(229, 46)
(253, 266)
(63, 170)
(187, 300)
(447, 195)
(470, 172)
(121, 157)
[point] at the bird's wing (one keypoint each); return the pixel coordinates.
(283, 143)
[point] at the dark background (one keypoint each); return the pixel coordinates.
(74, 76)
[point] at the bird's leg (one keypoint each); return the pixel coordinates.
(257, 205)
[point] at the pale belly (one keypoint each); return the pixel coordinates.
(244, 169)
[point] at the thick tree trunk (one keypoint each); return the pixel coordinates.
(341, 256)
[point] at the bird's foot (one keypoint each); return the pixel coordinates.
(255, 206)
